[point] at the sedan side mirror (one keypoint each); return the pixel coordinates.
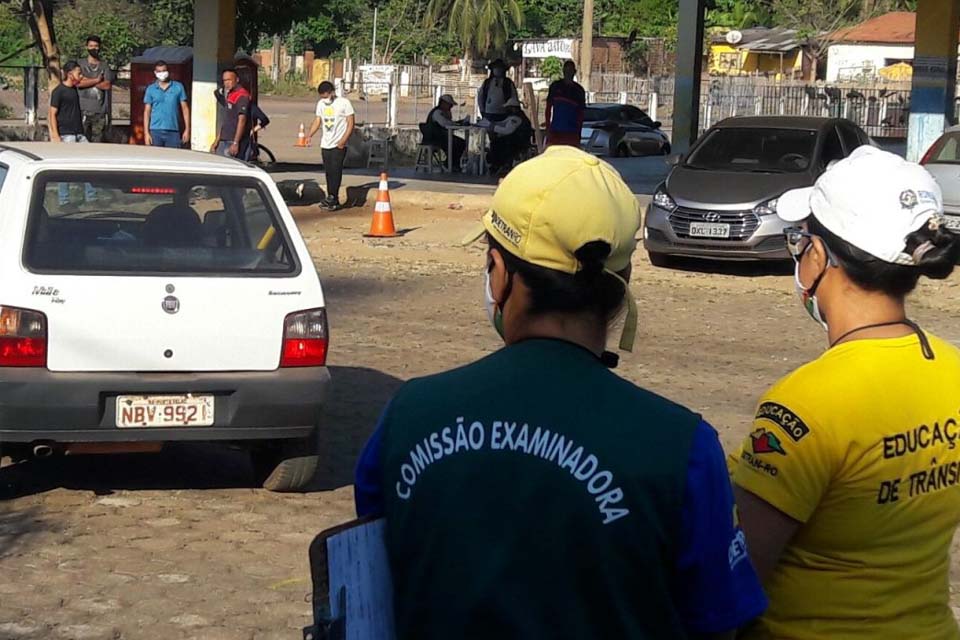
(657, 124)
(674, 159)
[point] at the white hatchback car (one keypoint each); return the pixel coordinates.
(153, 295)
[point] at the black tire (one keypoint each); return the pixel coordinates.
(287, 466)
(266, 156)
(16, 451)
(661, 260)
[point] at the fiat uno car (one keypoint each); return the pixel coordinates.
(152, 295)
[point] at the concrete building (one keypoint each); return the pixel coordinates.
(863, 50)
(760, 51)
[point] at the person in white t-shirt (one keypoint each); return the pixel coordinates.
(336, 116)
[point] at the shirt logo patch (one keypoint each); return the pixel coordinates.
(738, 549)
(764, 441)
(785, 419)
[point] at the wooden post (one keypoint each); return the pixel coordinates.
(533, 107)
(586, 45)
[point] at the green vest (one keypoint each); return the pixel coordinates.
(534, 494)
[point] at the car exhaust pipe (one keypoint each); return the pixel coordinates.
(42, 451)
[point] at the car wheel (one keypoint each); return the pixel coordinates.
(661, 260)
(286, 466)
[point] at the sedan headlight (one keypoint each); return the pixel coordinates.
(768, 208)
(663, 200)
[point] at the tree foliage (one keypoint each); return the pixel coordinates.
(481, 26)
(124, 26)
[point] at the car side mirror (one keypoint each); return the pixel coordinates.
(657, 124)
(674, 159)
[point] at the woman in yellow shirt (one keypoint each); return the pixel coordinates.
(848, 485)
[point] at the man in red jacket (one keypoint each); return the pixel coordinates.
(234, 132)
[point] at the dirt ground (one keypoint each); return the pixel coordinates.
(180, 545)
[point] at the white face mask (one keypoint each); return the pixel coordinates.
(162, 76)
(809, 300)
(493, 313)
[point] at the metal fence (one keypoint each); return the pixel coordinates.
(882, 109)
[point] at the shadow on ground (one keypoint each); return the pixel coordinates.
(748, 269)
(18, 526)
(355, 401)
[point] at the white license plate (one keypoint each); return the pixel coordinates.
(709, 230)
(953, 223)
(164, 411)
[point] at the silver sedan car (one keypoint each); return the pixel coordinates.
(720, 201)
(621, 131)
(943, 162)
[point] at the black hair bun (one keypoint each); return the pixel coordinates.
(592, 256)
(937, 251)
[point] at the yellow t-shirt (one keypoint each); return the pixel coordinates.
(862, 446)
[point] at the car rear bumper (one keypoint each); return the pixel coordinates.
(37, 404)
(766, 243)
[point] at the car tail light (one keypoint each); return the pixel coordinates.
(929, 154)
(23, 338)
(305, 339)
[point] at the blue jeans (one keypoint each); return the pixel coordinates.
(165, 138)
(90, 194)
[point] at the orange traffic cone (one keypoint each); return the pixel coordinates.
(301, 137)
(382, 224)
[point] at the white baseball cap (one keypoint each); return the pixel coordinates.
(873, 199)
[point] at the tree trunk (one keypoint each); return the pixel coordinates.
(465, 72)
(40, 17)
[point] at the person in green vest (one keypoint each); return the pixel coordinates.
(534, 494)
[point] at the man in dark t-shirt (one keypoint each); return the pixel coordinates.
(96, 86)
(66, 120)
(566, 104)
(234, 132)
(533, 494)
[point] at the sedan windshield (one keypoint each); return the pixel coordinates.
(755, 150)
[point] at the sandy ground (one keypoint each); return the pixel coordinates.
(180, 545)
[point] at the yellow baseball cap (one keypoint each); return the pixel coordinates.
(549, 207)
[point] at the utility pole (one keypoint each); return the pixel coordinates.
(373, 49)
(586, 45)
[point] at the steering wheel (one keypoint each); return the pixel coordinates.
(797, 160)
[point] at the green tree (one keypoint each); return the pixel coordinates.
(738, 14)
(14, 37)
(124, 26)
(481, 26)
(552, 68)
(172, 21)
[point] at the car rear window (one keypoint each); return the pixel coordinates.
(947, 150)
(758, 150)
(142, 224)
(593, 114)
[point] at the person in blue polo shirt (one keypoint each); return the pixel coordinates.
(163, 102)
(534, 494)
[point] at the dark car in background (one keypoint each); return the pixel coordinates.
(720, 200)
(622, 131)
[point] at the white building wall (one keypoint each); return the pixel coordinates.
(848, 60)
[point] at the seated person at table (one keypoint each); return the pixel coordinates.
(509, 138)
(436, 127)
